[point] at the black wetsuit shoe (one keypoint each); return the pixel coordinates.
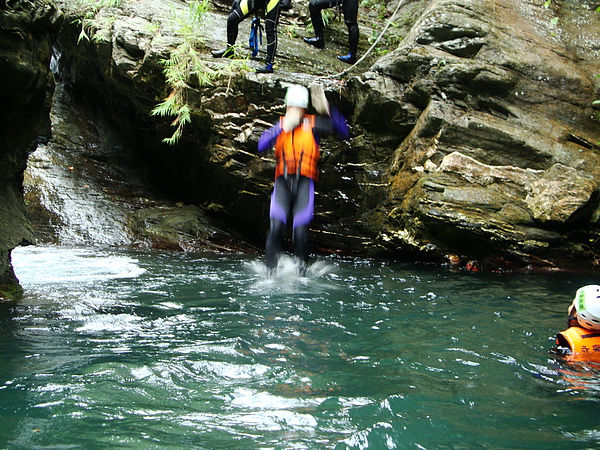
(315, 42)
(227, 53)
(268, 68)
(348, 59)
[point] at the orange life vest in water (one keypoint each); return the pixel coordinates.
(297, 151)
(584, 344)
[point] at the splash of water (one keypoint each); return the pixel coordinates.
(288, 278)
(356, 354)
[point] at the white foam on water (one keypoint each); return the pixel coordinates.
(252, 399)
(55, 264)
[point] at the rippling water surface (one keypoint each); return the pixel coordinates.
(157, 350)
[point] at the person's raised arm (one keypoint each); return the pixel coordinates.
(329, 119)
(268, 138)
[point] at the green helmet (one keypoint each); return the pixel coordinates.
(587, 305)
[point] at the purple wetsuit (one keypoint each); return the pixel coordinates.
(295, 194)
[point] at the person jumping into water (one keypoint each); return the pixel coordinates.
(296, 139)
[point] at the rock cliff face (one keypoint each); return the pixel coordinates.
(26, 36)
(501, 163)
(473, 140)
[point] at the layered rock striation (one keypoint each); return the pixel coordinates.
(500, 165)
(27, 31)
(474, 140)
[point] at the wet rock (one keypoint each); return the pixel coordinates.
(492, 161)
(26, 30)
(182, 227)
(456, 29)
(560, 193)
(473, 141)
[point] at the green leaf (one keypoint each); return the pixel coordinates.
(82, 36)
(184, 68)
(168, 107)
(184, 116)
(174, 138)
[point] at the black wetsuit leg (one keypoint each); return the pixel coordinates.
(233, 21)
(281, 206)
(315, 7)
(290, 194)
(240, 10)
(301, 249)
(271, 21)
(350, 9)
(274, 244)
(303, 210)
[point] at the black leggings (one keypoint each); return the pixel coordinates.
(291, 195)
(350, 10)
(242, 9)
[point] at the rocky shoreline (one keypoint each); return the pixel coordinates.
(473, 143)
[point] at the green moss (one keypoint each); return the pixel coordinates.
(10, 292)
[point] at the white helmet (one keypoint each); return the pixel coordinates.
(587, 305)
(297, 96)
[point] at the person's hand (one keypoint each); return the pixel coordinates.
(292, 119)
(319, 101)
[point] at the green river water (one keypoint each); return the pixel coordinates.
(149, 350)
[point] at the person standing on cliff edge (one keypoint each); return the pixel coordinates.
(296, 139)
(350, 10)
(240, 9)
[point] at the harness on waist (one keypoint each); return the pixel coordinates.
(255, 40)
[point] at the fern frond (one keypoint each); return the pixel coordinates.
(184, 116)
(174, 139)
(184, 68)
(167, 107)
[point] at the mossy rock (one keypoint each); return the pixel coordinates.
(10, 293)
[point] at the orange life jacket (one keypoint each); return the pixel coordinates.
(584, 344)
(297, 152)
